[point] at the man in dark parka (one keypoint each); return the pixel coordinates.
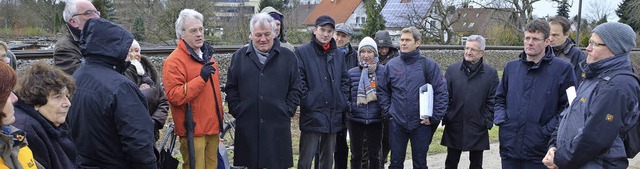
(472, 87)
(263, 91)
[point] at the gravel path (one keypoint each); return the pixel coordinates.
(491, 160)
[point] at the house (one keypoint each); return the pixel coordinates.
(400, 14)
(229, 10)
(479, 21)
(350, 12)
(295, 18)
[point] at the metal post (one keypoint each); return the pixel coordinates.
(579, 19)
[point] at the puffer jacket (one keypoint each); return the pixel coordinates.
(370, 112)
(325, 87)
(588, 135)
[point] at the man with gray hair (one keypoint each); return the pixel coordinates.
(66, 54)
(189, 79)
(263, 92)
(399, 100)
(592, 129)
(472, 86)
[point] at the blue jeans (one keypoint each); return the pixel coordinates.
(399, 137)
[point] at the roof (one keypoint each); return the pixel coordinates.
(339, 10)
(396, 12)
(299, 14)
(478, 20)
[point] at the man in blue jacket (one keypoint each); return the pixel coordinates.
(529, 99)
(563, 46)
(399, 100)
(109, 120)
(589, 133)
(325, 87)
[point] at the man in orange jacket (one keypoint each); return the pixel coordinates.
(187, 75)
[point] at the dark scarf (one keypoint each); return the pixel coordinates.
(470, 68)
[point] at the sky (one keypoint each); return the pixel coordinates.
(545, 7)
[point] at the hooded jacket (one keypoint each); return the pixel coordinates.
(383, 39)
(14, 152)
(52, 146)
(109, 120)
(325, 87)
(587, 137)
(529, 100)
(282, 33)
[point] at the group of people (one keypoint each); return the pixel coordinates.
(102, 103)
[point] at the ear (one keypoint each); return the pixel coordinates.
(74, 23)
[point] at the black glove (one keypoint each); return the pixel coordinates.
(206, 71)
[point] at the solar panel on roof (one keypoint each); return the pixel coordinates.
(401, 14)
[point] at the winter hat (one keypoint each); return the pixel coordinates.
(618, 37)
(383, 39)
(344, 28)
(9, 78)
(324, 19)
(367, 41)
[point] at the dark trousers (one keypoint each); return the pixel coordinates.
(453, 157)
(312, 142)
(342, 150)
(420, 138)
(385, 141)
(522, 164)
(373, 135)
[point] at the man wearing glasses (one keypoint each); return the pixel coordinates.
(530, 98)
(472, 87)
(67, 54)
(589, 135)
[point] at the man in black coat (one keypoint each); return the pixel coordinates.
(472, 87)
(325, 87)
(263, 91)
(109, 120)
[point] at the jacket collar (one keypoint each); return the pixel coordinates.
(546, 59)
(46, 124)
(275, 49)
(410, 57)
(609, 64)
(479, 70)
(207, 51)
(318, 47)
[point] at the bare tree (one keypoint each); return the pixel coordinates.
(522, 10)
(436, 23)
(599, 11)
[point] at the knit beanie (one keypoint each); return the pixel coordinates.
(9, 78)
(367, 41)
(618, 37)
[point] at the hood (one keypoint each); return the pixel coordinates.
(613, 63)
(106, 41)
(383, 39)
(270, 10)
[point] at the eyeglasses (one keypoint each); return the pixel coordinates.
(528, 39)
(88, 13)
(472, 49)
(596, 44)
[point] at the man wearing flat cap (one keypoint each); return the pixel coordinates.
(325, 87)
(606, 105)
(343, 38)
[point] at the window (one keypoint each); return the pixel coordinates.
(360, 20)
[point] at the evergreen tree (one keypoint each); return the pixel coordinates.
(375, 21)
(628, 13)
(138, 28)
(563, 8)
(107, 11)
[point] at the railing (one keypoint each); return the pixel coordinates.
(39, 54)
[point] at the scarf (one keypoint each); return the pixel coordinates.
(367, 84)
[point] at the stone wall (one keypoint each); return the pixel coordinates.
(496, 58)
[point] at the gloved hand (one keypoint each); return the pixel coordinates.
(206, 71)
